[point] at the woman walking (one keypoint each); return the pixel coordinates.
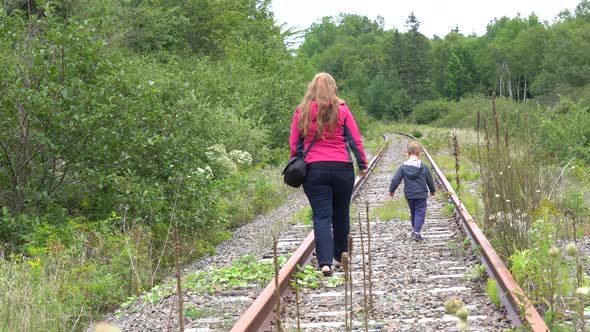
(323, 121)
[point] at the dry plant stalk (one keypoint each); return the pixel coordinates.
(579, 274)
(345, 267)
(297, 303)
(365, 304)
(177, 263)
(496, 122)
(350, 275)
(349, 246)
(178, 277)
(350, 291)
(278, 310)
(370, 272)
(456, 153)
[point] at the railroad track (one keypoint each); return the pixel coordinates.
(411, 281)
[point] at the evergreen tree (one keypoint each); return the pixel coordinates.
(415, 62)
(459, 80)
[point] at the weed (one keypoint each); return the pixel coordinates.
(334, 282)
(493, 292)
(449, 210)
(393, 209)
(456, 249)
(239, 274)
(475, 273)
(303, 216)
(192, 312)
(309, 277)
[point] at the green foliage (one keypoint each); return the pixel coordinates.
(310, 277)
(493, 292)
(304, 216)
(150, 109)
(396, 208)
(563, 131)
(416, 133)
(239, 274)
(449, 210)
(429, 111)
(192, 312)
(475, 273)
(544, 273)
(80, 266)
(458, 249)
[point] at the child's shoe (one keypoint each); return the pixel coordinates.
(327, 270)
(417, 236)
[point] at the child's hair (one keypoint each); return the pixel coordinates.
(415, 148)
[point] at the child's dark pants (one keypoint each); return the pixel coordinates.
(418, 212)
(329, 191)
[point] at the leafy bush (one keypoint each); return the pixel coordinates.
(416, 133)
(429, 111)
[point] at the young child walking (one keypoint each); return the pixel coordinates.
(418, 183)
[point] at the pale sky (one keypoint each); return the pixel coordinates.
(435, 16)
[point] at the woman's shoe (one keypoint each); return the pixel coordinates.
(327, 270)
(417, 236)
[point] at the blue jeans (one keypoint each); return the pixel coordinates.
(329, 191)
(418, 212)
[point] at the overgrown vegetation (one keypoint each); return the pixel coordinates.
(523, 197)
(119, 116)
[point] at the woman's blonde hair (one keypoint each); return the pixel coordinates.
(324, 92)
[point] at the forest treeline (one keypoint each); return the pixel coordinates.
(120, 117)
(391, 71)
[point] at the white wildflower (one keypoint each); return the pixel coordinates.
(583, 291)
(241, 157)
(223, 166)
(497, 195)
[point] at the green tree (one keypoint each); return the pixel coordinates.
(415, 62)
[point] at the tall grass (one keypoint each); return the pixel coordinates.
(70, 275)
(30, 299)
(514, 184)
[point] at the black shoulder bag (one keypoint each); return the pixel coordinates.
(294, 172)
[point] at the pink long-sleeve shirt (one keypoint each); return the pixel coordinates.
(333, 146)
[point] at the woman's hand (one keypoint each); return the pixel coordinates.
(391, 194)
(363, 172)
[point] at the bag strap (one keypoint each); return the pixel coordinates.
(310, 145)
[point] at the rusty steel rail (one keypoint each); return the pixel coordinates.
(515, 299)
(260, 313)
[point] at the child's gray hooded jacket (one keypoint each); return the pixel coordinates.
(417, 179)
